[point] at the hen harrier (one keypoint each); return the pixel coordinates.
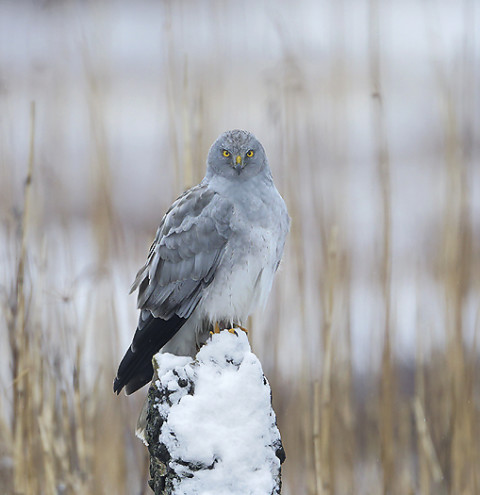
(213, 258)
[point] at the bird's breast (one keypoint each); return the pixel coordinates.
(243, 279)
(245, 274)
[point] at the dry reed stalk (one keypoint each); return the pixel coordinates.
(387, 442)
(342, 453)
(317, 438)
(39, 441)
(47, 436)
(475, 447)
(326, 392)
(323, 407)
(18, 337)
(405, 482)
(457, 260)
(383, 160)
(306, 431)
(80, 417)
(423, 460)
(348, 412)
(426, 447)
(431, 479)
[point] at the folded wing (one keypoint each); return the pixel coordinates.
(182, 261)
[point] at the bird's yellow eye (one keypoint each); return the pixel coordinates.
(250, 153)
(226, 153)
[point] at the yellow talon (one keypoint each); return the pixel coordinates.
(216, 329)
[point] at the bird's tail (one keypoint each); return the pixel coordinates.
(136, 368)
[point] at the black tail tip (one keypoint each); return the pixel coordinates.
(134, 381)
(117, 386)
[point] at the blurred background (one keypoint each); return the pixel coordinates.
(370, 114)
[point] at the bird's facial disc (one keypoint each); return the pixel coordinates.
(236, 158)
(237, 154)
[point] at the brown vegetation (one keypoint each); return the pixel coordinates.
(385, 423)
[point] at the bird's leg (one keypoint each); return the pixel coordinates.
(216, 328)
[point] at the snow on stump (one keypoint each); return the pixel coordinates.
(211, 428)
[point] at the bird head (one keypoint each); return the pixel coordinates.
(237, 155)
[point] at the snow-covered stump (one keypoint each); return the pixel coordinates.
(211, 428)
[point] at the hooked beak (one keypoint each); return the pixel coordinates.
(238, 164)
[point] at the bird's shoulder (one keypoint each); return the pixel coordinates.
(199, 208)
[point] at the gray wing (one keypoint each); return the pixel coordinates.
(185, 254)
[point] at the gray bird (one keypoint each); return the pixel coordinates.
(213, 259)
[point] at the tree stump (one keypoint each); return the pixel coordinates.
(210, 423)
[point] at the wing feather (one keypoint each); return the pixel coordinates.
(185, 253)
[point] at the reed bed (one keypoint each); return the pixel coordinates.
(360, 411)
